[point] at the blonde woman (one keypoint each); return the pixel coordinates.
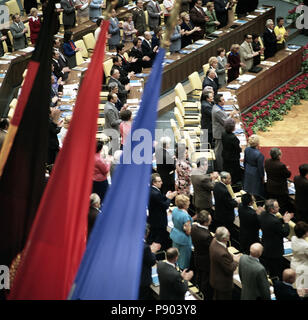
(213, 23)
(254, 168)
(34, 25)
(129, 31)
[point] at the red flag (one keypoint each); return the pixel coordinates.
(58, 236)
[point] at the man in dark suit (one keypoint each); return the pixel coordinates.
(249, 223)
(147, 50)
(207, 99)
(269, 40)
(224, 204)
(199, 19)
(284, 289)
(273, 232)
(123, 90)
(157, 219)
(124, 75)
(62, 60)
(203, 185)
(301, 192)
(221, 9)
(209, 81)
(277, 183)
(222, 265)
(69, 15)
(165, 165)
(255, 285)
(173, 284)
(139, 60)
(149, 260)
(201, 239)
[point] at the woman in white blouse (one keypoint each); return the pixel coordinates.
(299, 262)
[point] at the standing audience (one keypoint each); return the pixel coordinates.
(301, 192)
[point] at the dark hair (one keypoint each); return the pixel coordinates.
(180, 150)
(275, 153)
(115, 59)
(279, 18)
(300, 229)
(229, 125)
(154, 176)
(99, 21)
(255, 36)
(203, 216)
(67, 36)
(110, 97)
(99, 146)
(157, 29)
(113, 71)
(4, 123)
(119, 47)
(14, 16)
(217, 98)
(54, 51)
(246, 199)
(303, 169)
(125, 115)
(135, 41)
(247, 35)
(172, 253)
(220, 50)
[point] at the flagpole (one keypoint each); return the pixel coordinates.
(172, 21)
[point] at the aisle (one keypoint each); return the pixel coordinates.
(291, 136)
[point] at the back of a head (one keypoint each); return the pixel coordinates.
(275, 153)
(99, 21)
(67, 36)
(203, 216)
(256, 250)
(112, 86)
(222, 234)
(4, 124)
(246, 199)
(303, 169)
(269, 205)
(289, 276)
(119, 47)
(94, 199)
(99, 146)
(125, 115)
(300, 229)
(229, 125)
(172, 254)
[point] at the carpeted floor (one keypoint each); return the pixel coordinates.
(291, 156)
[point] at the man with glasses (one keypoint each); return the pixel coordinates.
(246, 53)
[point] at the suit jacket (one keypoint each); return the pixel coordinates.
(147, 50)
(222, 267)
(153, 14)
(136, 66)
(301, 191)
(211, 83)
(255, 285)
(172, 286)
(139, 20)
(221, 71)
(231, 151)
(114, 30)
(197, 18)
(234, 60)
(19, 38)
(246, 54)
(201, 239)
(155, 41)
(277, 174)
(221, 12)
(165, 165)
(149, 260)
(224, 204)
(95, 10)
(273, 232)
(206, 115)
(218, 121)
(249, 230)
(57, 68)
(270, 43)
(202, 189)
(123, 74)
(158, 204)
(175, 40)
(69, 15)
(211, 25)
(112, 120)
(284, 291)
(122, 93)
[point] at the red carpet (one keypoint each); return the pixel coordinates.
(291, 156)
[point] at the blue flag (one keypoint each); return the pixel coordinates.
(111, 266)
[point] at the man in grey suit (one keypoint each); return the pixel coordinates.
(246, 53)
(18, 31)
(112, 121)
(69, 15)
(123, 90)
(255, 285)
(219, 116)
(154, 13)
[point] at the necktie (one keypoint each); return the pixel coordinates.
(157, 7)
(71, 3)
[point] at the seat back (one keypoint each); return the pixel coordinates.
(9, 33)
(176, 131)
(80, 44)
(28, 30)
(107, 67)
(79, 58)
(5, 48)
(146, 15)
(206, 67)
(195, 81)
(13, 6)
(179, 117)
(89, 41)
(125, 55)
(12, 107)
(180, 92)
(179, 105)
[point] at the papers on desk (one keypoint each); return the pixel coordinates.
(66, 114)
(130, 6)
(135, 83)
(240, 21)
(2, 75)
(111, 53)
(66, 107)
(168, 61)
(260, 10)
(80, 69)
(250, 16)
(184, 51)
(287, 247)
(66, 98)
(246, 77)
(202, 42)
(292, 47)
(3, 62)
(8, 57)
(268, 63)
(226, 94)
(141, 75)
(216, 33)
(233, 86)
(132, 100)
(291, 188)
(228, 108)
(28, 49)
